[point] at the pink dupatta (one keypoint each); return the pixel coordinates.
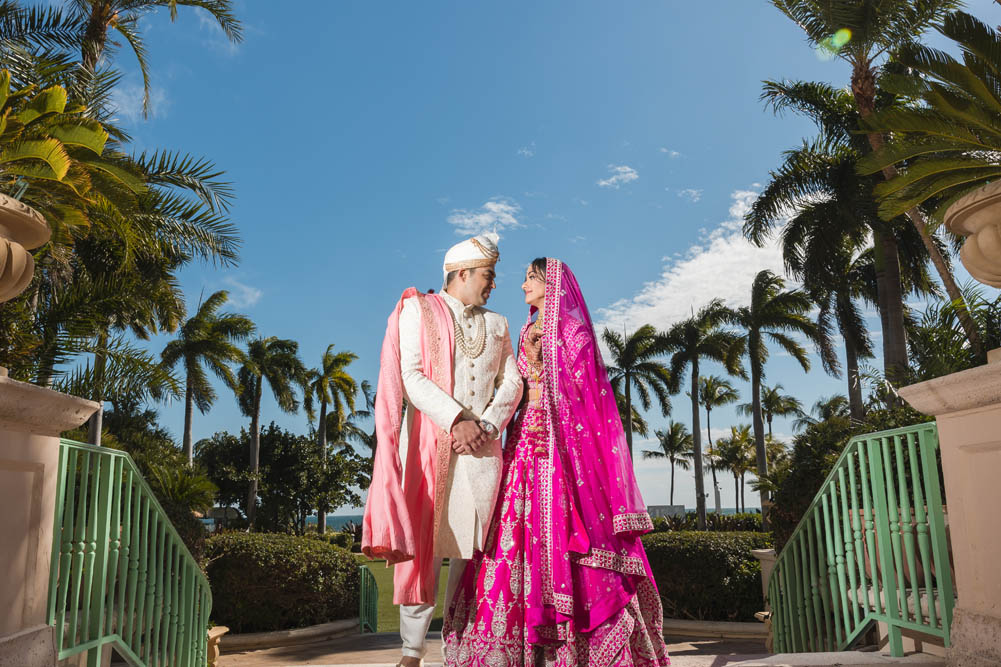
(404, 503)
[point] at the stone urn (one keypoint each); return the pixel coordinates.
(977, 216)
(22, 229)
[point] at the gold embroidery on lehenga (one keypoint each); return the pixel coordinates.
(515, 579)
(507, 537)
(490, 565)
(498, 625)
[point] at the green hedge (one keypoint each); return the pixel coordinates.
(338, 539)
(263, 581)
(719, 522)
(191, 531)
(709, 576)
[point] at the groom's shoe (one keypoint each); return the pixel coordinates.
(410, 661)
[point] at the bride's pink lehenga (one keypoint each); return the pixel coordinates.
(564, 579)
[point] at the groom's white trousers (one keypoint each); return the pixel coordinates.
(416, 619)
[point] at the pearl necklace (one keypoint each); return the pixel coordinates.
(475, 348)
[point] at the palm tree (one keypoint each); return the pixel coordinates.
(123, 16)
(736, 454)
(773, 314)
(274, 361)
(835, 207)
(824, 409)
(639, 425)
(330, 384)
(675, 445)
(874, 29)
(835, 286)
(208, 339)
(773, 404)
(634, 366)
(689, 342)
(715, 392)
(947, 153)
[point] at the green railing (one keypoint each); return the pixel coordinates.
(871, 547)
(368, 612)
(121, 575)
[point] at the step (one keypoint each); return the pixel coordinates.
(841, 659)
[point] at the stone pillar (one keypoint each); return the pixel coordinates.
(967, 407)
(31, 419)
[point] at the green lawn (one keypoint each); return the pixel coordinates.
(389, 614)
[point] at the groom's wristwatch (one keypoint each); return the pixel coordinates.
(489, 429)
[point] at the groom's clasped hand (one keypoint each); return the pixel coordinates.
(468, 436)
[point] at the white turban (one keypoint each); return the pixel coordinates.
(472, 253)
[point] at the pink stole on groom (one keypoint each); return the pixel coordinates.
(404, 503)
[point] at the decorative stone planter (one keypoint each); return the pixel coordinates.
(215, 634)
(978, 217)
(22, 228)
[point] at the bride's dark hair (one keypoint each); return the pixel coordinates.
(539, 266)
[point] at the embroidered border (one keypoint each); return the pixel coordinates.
(617, 637)
(609, 560)
(622, 523)
(443, 450)
(554, 275)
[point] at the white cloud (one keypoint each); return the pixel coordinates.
(691, 194)
(127, 99)
(721, 264)
(217, 39)
(527, 151)
(669, 152)
(241, 295)
(621, 174)
(497, 214)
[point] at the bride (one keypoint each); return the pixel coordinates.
(564, 579)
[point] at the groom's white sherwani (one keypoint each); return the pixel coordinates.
(486, 388)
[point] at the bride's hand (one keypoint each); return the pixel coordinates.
(533, 347)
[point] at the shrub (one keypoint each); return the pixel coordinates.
(718, 522)
(338, 539)
(191, 531)
(705, 575)
(263, 581)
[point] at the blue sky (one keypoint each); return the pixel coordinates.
(364, 138)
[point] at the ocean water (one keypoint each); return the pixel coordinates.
(337, 522)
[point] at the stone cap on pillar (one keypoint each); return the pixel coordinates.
(39, 410)
(966, 390)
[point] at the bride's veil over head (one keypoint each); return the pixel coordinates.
(590, 506)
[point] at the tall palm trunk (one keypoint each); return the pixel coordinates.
(864, 92)
(255, 452)
(95, 36)
(854, 385)
(736, 492)
(96, 422)
(712, 465)
(759, 427)
(700, 494)
(743, 503)
(189, 411)
(672, 480)
(768, 418)
(890, 297)
(629, 416)
(321, 437)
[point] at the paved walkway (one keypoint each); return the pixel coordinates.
(384, 649)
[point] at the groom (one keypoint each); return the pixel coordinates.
(437, 468)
